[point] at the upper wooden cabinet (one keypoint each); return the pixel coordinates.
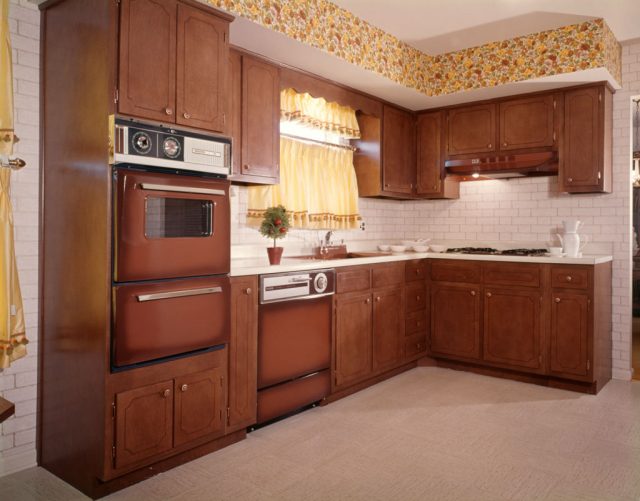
(173, 63)
(398, 151)
(430, 149)
(585, 155)
(527, 122)
(255, 121)
(471, 129)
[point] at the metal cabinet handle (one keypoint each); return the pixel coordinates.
(166, 393)
(378, 299)
(168, 111)
(473, 293)
(570, 180)
(186, 115)
(184, 387)
(488, 294)
(181, 293)
(489, 145)
(180, 189)
(557, 300)
(368, 300)
(248, 291)
(569, 278)
(504, 144)
(246, 167)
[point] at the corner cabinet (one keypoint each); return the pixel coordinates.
(255, 121)
(586, 152)
(173, 63)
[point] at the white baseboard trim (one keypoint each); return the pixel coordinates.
(624, 374)
(16, 462)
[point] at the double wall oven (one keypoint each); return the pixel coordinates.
(171, 250)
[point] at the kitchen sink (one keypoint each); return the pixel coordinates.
(346, 255)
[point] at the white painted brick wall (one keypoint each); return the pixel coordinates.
(18, 383)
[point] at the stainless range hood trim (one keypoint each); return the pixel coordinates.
(505, 166)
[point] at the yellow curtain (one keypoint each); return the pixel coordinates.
(318, 187)
(317, 113)
(12, 328)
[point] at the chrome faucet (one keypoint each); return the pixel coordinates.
(327, 238)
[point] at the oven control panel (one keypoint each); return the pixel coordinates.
(296, 285)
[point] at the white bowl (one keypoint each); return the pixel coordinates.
(438, 248)
(421, 248)
(398, 248)
(383, 248)
(408, 243)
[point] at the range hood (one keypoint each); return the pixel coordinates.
(543, 163)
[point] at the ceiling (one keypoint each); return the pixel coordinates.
(440, 26)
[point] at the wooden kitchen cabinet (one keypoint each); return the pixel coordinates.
(430, 150)
(586, 154)
(471, 129)
(143, 423)
(388, 327)
(455, 321)
(243, 353)
(527, 122)
(398, 151)
(512, 333)
(173, 63)
(569, 339)
(198, 406)
(353, 338)
(415, 320)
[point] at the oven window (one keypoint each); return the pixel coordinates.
(177, 218)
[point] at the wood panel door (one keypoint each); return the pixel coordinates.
(260, 118)
(388, 327)
(582, 156)
(398, 147)
(199, 404)
(455, 321)
(234, 117)
(243, 353)
(569, 342)
(353, 342)
(430, 161)
(147, 70)
(144, 423)
(471, 129)
(512, 329)
(527, 123)
(202, 65)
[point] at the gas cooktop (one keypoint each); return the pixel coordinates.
(492, 251)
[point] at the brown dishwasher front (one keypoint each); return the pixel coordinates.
(294, 341)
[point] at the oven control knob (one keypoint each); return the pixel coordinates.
(171, 147)
(320, 282)
(141, 142)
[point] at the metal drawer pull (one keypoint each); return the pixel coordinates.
(184, 387)
(166, 393)
(569, 278)
(247, 291)
(488, 294)
(473, 293)
(557, 300)
(183, 293)
(181, 189)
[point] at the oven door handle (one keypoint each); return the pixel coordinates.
(181, 189)
(182, 293)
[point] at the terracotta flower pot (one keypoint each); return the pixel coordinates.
(275, 253)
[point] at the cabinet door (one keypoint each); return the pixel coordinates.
(455, 321)
(199, 405)
(147, 78)
(353, 315)
(527, 123)
(234, 118)
(398, 145)
(243, 353)
(512, 333)
(568, 346)
(144, 423)
(430, 162)
(388, 328)
(202, 65)
(471, 129)
(582, 156)
(260, 118)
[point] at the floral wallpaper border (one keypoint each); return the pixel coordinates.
(326, 26)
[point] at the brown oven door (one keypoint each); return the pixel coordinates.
(159, 319)
(170, 226)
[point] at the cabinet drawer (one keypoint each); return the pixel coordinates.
(387, 275)
(569, 277)
(455, 271)
(416, 321)
(415, 270)
(353, 280)
(511, 274)
(414, 345)
(416, 297)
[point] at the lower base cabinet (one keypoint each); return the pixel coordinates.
(568, 343)
(388, 328)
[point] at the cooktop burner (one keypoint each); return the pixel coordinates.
(490, 250)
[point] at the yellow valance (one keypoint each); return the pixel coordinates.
(317, 113)
(318, 187)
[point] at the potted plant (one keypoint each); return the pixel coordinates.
(275, 225)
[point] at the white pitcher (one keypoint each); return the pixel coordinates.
(571, 243)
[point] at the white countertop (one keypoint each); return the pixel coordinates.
(260, 266)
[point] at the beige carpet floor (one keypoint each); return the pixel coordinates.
(428, 434)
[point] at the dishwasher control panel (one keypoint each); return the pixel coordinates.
(296, 285)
